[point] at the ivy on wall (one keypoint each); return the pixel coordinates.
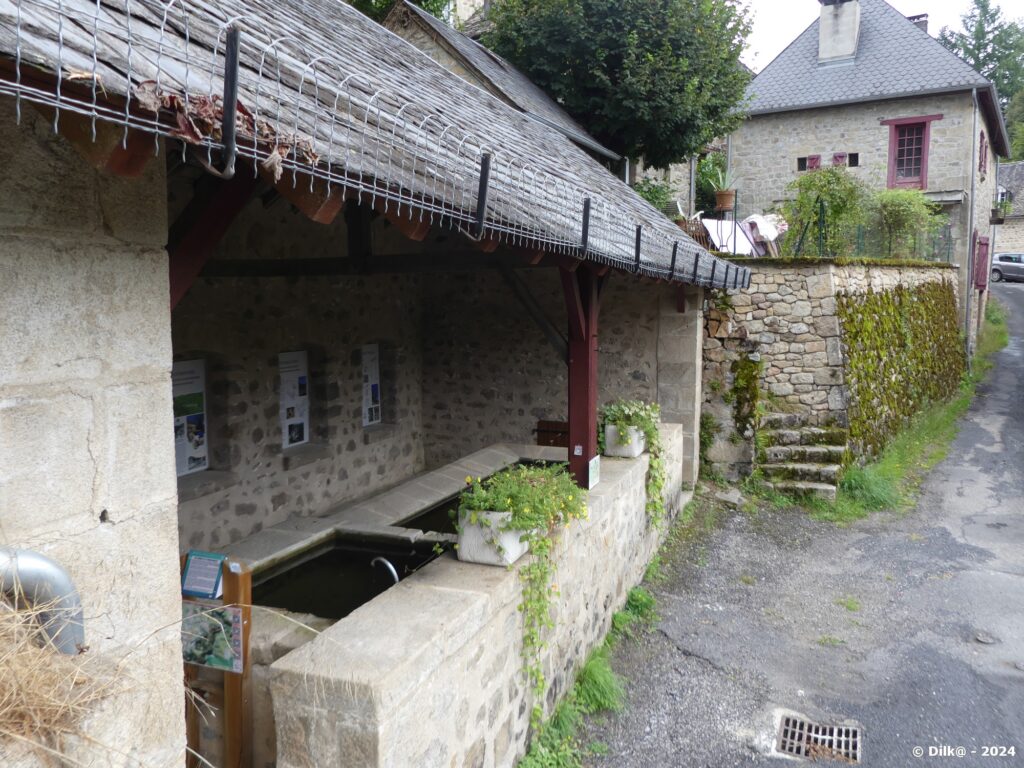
(903, 351)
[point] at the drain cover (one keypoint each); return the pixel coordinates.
(802, 738)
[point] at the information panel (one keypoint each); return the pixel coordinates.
(294, 368)
(371, 385)
(188, 390)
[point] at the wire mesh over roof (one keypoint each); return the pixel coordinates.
(325, 93)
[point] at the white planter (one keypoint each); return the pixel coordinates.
(486, 543)
(613, 447)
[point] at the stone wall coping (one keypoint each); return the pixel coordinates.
(384, 650)
(782, 263)
(383, 512)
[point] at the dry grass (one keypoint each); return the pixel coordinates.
(44, 694)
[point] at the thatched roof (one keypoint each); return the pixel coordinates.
(326, 93)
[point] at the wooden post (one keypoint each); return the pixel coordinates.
(237, 688)
(582, 289)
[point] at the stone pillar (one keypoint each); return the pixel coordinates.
(680, 366)
(86, 440)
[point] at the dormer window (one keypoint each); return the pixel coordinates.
(908, 151)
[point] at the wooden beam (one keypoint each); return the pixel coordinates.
(202, 224)
(413, 229)
(111, 151)
(536, 313)
(582, 290)
(319, 201)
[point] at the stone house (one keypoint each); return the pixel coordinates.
(1010, 235)
(869, 89)
(259, 331)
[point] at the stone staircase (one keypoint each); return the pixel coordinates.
(801, 459)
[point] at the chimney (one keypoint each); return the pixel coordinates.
(920, 21)
(839, 30)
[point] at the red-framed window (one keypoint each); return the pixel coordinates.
(909, 140)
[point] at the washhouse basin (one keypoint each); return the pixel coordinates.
(337, 577)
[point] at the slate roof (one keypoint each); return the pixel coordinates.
(1011, 177)
(508, 81)
(325, 95)
(895, 58)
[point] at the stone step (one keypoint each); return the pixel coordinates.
(782, 420)
(825, 491)
(806, 454)
(814, 473)
(805, 436)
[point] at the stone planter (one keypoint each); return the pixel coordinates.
(487, 544)
(613, 447)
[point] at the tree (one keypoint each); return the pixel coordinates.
(378, 9)
(1015, 125)
(651, 78)
(990, 44)
(830, 204)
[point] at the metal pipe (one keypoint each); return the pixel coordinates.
(971, 224)
(388, 565)
(29, 578)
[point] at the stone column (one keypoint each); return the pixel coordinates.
(86, 437)
(680, 364)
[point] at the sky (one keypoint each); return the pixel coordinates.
(778, 22)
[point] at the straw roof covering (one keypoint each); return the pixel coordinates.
(325, 93)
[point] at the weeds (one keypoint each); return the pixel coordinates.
(828, 641)
(852, 604)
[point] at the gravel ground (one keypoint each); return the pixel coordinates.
(932, 657)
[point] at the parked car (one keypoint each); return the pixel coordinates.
(1008, 266)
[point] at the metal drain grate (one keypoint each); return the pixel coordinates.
(802, 738)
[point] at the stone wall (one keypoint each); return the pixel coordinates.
(239, 326)
(764, 152)
(430, 672)
(489, 374)
(86, 467)
(787, 321)
(1010, 236)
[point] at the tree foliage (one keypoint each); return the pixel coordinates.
(657, 78)
(992, 44)
(834, 195)
(655, 191)
(904, 215)
(1015, 124)
(378, 9)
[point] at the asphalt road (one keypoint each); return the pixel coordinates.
(932, 657)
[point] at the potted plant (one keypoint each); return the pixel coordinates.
(499, 517)
(723, 184)
(627, 428)
(625, 424)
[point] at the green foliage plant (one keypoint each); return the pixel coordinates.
(992, 44)
(656, 192)
(846, 200)
(745, 392)
(657, 80)
(904, 216)
(541, 500)
(623, 414)
(707, 170)
(721, 179)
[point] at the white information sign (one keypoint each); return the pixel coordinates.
(371, 385)
(188, 390)
(294, 368)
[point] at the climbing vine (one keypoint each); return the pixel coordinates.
(903, 351)
(745, 392)
(623, 414)
(541, 500)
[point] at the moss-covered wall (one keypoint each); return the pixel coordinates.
(902, 350)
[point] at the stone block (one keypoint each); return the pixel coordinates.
(820, 286)
(827, 326)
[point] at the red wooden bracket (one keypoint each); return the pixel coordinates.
(202, 225)
(319, 201)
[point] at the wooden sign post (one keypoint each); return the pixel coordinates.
(237, 698)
